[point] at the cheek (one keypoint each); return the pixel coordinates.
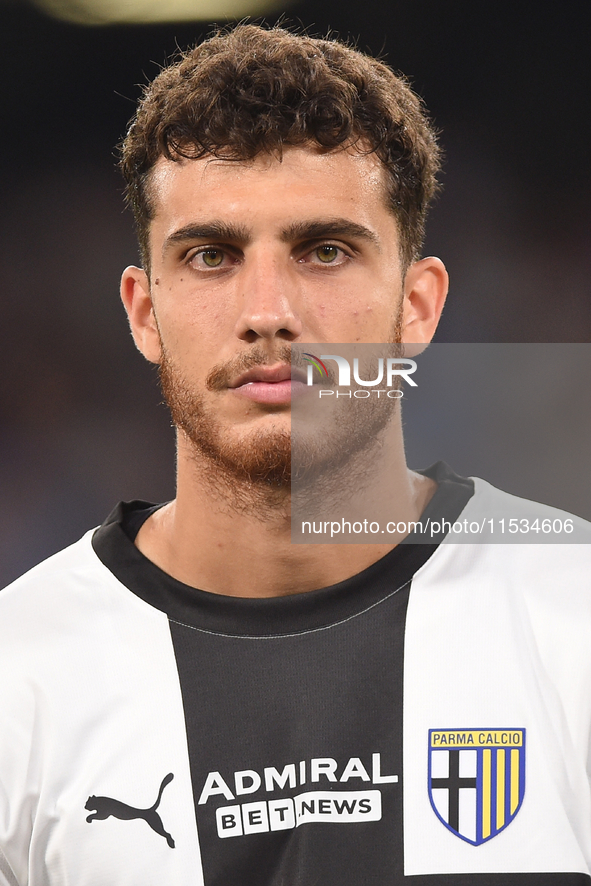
(369, 322)
(199, 315)
(353, 322)
(193, 334)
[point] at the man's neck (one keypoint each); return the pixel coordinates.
(207, 541)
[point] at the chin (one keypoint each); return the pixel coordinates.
(259, 458)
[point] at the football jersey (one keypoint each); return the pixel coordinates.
(427, 721)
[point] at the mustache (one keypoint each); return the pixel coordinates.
(223, 375)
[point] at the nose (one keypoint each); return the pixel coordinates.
(268, 296)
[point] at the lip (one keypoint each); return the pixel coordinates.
(273, 385)
(269, 375)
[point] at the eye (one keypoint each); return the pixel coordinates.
(326, 254)
(209, 258)
(212, 258)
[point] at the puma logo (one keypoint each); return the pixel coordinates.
(106, 806)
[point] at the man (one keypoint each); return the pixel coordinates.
(187, 696)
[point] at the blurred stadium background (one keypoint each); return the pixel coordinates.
(80, 420)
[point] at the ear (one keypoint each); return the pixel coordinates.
(425, 288)
(137, 299)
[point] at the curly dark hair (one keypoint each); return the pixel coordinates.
(252, 89)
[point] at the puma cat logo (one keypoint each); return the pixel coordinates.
(106, 806)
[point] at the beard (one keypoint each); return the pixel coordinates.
(263, 461)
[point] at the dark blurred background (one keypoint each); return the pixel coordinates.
(81, 424)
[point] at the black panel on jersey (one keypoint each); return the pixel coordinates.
(330, 693)
(280, 682)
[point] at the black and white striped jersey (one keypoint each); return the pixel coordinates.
(425, 722)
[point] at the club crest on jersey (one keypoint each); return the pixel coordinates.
(476, 780)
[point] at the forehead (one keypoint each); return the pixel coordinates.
(268, 189)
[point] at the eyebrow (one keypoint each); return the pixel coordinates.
(328, 227)
(213, 230)
(313, 229)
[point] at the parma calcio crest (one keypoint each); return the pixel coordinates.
(476, 780)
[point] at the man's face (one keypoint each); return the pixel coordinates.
(249, 258)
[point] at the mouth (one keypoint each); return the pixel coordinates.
(275, 385)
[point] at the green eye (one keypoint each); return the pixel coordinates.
(213, 258)
(327, 253)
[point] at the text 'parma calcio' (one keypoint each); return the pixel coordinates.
(466, 738)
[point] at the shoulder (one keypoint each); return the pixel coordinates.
(58, 623)
(72, 567)
(494, 517)
(504, 547)
(62, 597)
(488, 498)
